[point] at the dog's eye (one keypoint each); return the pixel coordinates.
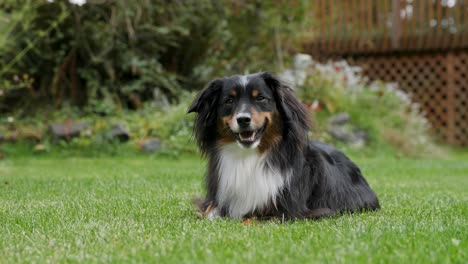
(260, 99)
(229, 101)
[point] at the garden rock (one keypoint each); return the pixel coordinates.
(339, 119)
(341, 130)
(150, 145)
(30, 134)
(120, 133)
(67, 130)
(40, 148)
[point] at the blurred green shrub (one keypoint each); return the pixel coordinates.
(109, 55)
(173, 127)
(393, 122)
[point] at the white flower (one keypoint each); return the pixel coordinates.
(77, 2)
(10, 119)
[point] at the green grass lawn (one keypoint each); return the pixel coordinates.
(139, 210)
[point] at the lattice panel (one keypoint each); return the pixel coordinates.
(460, 80)
(438, 82)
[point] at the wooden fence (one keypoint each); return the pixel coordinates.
(437, 81)
(372, 26)
(421, 44)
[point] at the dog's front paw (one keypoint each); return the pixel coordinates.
(212, 213)
(207, 209)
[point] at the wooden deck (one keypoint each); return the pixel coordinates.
(420, 44)
(376, 26)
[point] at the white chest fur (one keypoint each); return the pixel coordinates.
(246, 182)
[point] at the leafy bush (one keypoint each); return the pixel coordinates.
(173, 127)
(110, 55)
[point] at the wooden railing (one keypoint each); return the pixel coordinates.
(374, 26)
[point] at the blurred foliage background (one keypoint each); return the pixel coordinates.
(109, 55)
(138, 64)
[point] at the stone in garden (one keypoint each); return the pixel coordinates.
(356, 137)
(67, 130)
(150, 145)
(40, 147)
(341, 130)
(339, 119)
(361, 135)
(30, 134)
(339, 133)
(120, 133)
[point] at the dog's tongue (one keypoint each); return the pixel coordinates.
(247, 136)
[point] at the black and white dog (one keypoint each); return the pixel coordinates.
(261, 163)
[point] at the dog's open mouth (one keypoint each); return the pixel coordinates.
(249, 137)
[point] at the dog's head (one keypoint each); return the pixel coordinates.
(256, 111)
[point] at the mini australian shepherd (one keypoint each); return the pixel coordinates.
(261, 163)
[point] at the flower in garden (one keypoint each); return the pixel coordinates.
(77, 2)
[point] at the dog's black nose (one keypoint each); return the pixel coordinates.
(243, 121)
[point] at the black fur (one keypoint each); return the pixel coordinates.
(323, 181)
(205, 122)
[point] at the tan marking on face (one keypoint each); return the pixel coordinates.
(224, 134)
(258, 118)
(227, 121)
(272, 135)
(233, 93)
(255, 93)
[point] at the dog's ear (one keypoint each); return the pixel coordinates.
(207, 97)
(205, 106)
(289, 107)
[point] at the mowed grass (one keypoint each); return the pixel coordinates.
(139, 210)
